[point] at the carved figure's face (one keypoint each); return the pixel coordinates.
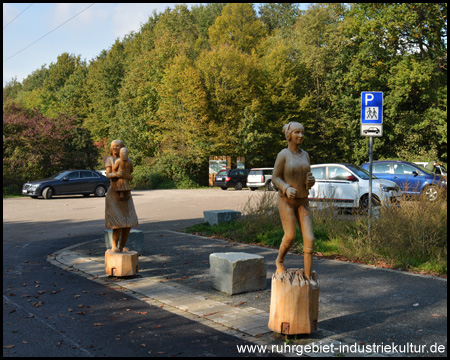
(297, 135)
(124, 154)
(115, 147)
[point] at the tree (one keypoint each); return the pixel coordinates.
(103, 84)
(233, 82)
(35, 146)
(279, 15)
(183, 130)
(237, 26)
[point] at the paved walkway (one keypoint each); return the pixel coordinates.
(361, 307)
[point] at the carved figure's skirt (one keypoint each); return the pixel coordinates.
(119, 213)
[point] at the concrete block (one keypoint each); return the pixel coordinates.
(215, 217)
(135, 240)
(236, 273)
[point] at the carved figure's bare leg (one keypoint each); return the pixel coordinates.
(289, 223)
(123, 241)
(115, 239)
(308, 238)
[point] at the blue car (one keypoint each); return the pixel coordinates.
(412, 179)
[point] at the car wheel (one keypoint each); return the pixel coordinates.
(432, 193)
(364, 202)
(100, 191)
(47, 193)
(238, 186)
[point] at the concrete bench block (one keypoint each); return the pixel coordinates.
(216, 217)
(135, 240)
(236, 273)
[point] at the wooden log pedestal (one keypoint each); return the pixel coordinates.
(294, 303)
(121, 264)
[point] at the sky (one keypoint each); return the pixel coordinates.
(35, 34)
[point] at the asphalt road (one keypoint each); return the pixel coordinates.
(51, 312)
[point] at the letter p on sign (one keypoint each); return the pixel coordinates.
(369, 97)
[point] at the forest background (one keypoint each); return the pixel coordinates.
(222, 79)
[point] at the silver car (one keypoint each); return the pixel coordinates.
(347, 185)
(260, 177)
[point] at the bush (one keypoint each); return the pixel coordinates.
(35, 147)
(145, 178)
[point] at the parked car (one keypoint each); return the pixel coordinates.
(347, 186)
(103, 172)
(439, 169)
(260, 177)
(412, 179)
(68, 182)
(236, 178)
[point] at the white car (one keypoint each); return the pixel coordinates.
(347, 185)
(259, 177)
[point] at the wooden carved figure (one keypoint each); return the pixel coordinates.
(295, 292)
(120, 214)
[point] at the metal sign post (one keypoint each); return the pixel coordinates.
(371, 125)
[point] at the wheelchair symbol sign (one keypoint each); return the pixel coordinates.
(372, 107)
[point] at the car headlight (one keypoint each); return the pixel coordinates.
(390, 188)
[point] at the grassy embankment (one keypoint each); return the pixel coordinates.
(411, 236)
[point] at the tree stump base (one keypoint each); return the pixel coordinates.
(294, 303)
(121, 264)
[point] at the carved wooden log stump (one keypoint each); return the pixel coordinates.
(294, 303)
(121, 264)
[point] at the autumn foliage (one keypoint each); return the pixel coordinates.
(35, 146)
(222, 79)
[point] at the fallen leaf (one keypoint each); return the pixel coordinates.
(8, 346)
(141, 312)
(437, 315)
(98, 324)
(209, 314)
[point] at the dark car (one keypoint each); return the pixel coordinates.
(412, 179)
(68, 182)
(236, 178)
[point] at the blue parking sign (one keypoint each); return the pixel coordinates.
(372, 107)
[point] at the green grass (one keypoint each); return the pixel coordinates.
(412, 236)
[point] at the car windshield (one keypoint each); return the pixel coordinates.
(362, 173)
(59, 175)
(425, 170)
